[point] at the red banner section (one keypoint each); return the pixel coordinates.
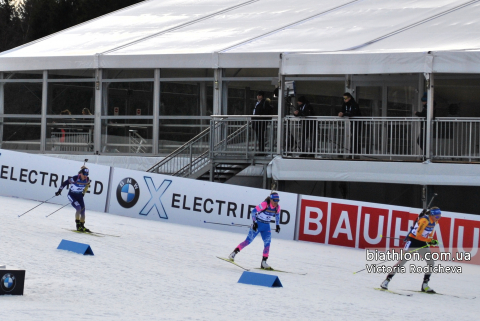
(365, 225)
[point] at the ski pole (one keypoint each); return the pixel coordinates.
(389, 260)
(57, 210)
(37, 206)
(390, 237)
(233, 224)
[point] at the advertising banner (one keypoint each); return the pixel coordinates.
(37, 177)
(369, 225)
(193, 202)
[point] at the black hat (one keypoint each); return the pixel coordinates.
(302, 99)
(261, 93)
(424, 97)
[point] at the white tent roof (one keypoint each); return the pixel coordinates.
(314, 36)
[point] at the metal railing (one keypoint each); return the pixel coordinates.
(187, 158)
(243, 137)
(456, 139)
(385, 138)
(68, 140)
(137, 144)
(395, 138)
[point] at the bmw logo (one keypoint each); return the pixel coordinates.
(128, 192)
(8, 282)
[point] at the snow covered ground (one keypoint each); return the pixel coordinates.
(164, 271)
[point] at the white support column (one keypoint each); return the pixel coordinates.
(281, 112)
(430, 103)
(98, 111)
(217, 92)
(43, 126)
(2, 108)
(156, 111)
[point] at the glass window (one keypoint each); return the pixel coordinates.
(242, 96)
(127, 73)
(31, 74)
(369, 99)
(75, 98)
(180, 99)
(20, 134)
(251, 72)
(71, 74)
(73, 134)
(457, 95)
(23, 98)
(133, 136)
(128, 99)
(326, 97)
(186, 73)
(401, 101)
(173, 133)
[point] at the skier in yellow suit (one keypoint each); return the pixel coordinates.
(420, 239)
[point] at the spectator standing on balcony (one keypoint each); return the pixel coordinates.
(350, 108)
(304, 109)
(259, 125)
(86, 112)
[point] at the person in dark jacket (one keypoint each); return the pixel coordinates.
(259, 125)
(350, 108)
(304, 109)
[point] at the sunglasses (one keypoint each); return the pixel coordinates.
(346, 98)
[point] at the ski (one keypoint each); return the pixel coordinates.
(452, 295)
(275, 270)
(103, 234)
(230, 261)
(392, 292)
(92, 233)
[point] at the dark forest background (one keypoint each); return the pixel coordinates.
(22, 21)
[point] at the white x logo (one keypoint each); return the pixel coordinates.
(155, 195)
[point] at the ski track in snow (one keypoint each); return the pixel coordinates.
(162, 271)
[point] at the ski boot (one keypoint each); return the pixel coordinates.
(83, 228)
(79, 225)
(384, 284)
(232, 255)
(264, 264)
(426, 288)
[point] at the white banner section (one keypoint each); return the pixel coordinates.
(36, 177)
(193, 202)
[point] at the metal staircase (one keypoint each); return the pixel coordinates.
(194, 158)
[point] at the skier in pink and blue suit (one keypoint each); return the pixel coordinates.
(261, 216)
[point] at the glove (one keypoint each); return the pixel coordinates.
(433, 243)
(254, 226)
(59, 192)
(277, 229)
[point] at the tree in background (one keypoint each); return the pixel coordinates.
(29, 20)
(10, 26)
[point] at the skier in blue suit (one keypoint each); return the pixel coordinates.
(79, 185)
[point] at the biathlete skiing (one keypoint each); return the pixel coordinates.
(420, 239)
(261, 216)
(79, 185)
